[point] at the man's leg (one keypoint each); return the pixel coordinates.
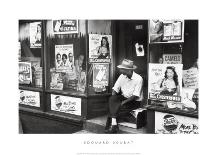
(114, 106)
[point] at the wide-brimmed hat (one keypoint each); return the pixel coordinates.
(127, 64)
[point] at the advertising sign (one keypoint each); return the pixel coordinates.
(190, 78)
(29, 98)
(175, 124)
(100, 75)
(64, 56)
(25, 73)
(165, 82)
(65, 26)
(166, 31)
(100, 48)
(71, 105)
(172, 58)
(35, 35)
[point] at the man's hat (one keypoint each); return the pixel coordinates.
(127, 64)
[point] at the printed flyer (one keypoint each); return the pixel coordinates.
(166, 31)
(65, 26)
(172, 58)
(100, 75)
(29, 98)
(25, 73)
(64, 56)
(190, 78)
(175, 124)
(71, 105)
(100, 48)
(165, 82)
(35, 35)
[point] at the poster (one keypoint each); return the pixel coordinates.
(172, 58)
(65, 26)
(29, 98)
(25, 73)
(166, 31)
(64, 56)
(100, 75)
(165, 82)
(35, 35)
(56, 80)
(100, 48)
(175, 124)
(190, 78)
(139, 50)
(71, 105)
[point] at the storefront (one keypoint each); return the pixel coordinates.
(66, 76)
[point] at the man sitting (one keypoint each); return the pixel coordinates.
(126, 95)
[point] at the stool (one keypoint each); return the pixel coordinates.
(135, 119)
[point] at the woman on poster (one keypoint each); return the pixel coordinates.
(169, 85)
(103, 50)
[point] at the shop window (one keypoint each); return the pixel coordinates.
(30, 53)
(66, 56)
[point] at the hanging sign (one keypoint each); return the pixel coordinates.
(175, 124)
(65, 26)
(71, 105)
(29, 98)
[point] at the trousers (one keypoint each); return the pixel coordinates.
(116, 110)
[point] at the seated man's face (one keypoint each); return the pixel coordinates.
(126, 72)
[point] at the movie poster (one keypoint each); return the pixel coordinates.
(172, 58)
(100, 75)
(25, 73)
(29, 98)
(35, 35)
(165, 82)
(100, 48)
(64, 56)
(71, 105)
(190, 78)
(65, 26)
(175, 124)
(166, 31)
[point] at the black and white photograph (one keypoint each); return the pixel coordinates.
(121, 95)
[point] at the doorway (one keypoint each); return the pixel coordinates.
(132, 43)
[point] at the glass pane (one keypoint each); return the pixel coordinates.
(30, 49)
(100, 56)
(66, 55)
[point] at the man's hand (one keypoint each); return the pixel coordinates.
(132, 98)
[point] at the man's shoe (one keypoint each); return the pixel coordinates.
(108, 124)
(113, 129)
